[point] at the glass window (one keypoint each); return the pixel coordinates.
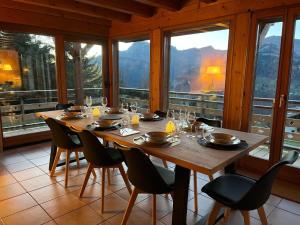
(27, 81)
(198, 71)
(134, 70)
(268, 49)
(84, 71)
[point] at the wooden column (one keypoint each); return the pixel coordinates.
(113, 98)
(236, 71)
(105, 69)
(61, 77)
(156, 65)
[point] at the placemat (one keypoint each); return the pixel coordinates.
(140, 141)
(242, 145)
(98, 128)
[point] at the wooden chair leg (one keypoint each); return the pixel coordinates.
(94, 173)
(131, 202)
(262, 216)
(226, 216)
(211, 177)
(125, 178)
(67, 167)
(153, 209)
(102, 189)
(246, 217)
(56, 160)
(214, 214)
(165, 164)
(108, 176)
(77, 159)
(86, 179)
(195, 191)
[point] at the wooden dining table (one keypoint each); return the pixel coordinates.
(187, 155)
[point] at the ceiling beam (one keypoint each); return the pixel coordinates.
(79, 8)
(172, 5)
(126, 6)
(208, 1)
(53, 12)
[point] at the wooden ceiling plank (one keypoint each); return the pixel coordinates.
(208, 1)
(174, 5)
(126, 6)
(79, 8)
(53, 12)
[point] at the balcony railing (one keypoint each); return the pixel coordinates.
(18, 109)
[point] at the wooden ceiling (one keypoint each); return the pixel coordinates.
(101, 11)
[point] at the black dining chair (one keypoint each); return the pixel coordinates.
(64, 142)
(236, 192)
(59, 106)
(146, 177)
(99, 156)
(213, 123)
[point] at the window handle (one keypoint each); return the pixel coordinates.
(281, 100)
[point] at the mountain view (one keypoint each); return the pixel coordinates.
(186, 65)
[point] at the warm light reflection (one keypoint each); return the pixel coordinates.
(7, 67)
(211, 76)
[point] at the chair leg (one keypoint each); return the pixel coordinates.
(125, 178)
(86, 179)
(214, 214)
(131, 202)
(165, 164)
(211, 177)
(94, 173)
(102, 189)
(226, 216)
(108, 176)
(56, 160)
(195, 191)
(77, 159)
(67, 167)
(262, 216)
(154, 209)
(246, 217)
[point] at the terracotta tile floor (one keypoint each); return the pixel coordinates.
(28, 196)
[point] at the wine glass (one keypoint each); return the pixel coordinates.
(133, 107)
(104, 102)
(191, 118)
(124, 107)
(89, 102)
(170, 114)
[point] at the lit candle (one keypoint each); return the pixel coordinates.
(170, 127)
(135, 119)
(96, 112)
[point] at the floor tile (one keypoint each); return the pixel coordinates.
(113, 205)
(27, 174)
(75, 183)
(204, 205)
(163, 206)
(268, 209)
(123, 193)
(236, 218)
(91, 193)
(192, 218)
(34, 154)
(52, 222)
(289, 206)
(274, 200)
(40, 161)
(37, 182)
(12, 168)
(12, 158)
(48, 193)
(282, 217)
(32, 216)
(16, 204)
(10, 191)
(62, 205)
(6, 179)
(117, 183)
(84, 215)
(137, 217)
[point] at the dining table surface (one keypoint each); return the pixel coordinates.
(187, 155)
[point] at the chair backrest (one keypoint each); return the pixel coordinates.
(210, 122)
(142, 173)
(261, 190)
(161, 113)
(60, 106)
(93, 150)
(59, 134)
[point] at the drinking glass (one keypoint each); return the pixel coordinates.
(124, 107)
(191, 118)
(133, 107)
(104, 102)
(89, 103)
(170, 114)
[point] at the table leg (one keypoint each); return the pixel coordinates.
(182, 181)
